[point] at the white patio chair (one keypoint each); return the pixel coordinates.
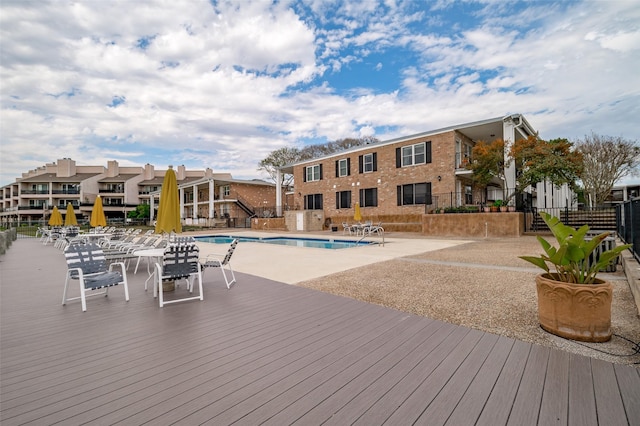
(222, 261)
(347, 228)
(87, 264)
(371, 229)
(180, 261)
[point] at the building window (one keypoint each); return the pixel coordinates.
(343, 200)
(72, 188)
(369, 197)
(313, 202)
(414, 193)
(412, 155)
(313, 173)
(41, 188)
(39, 204)
(226, 190)
(468, 194)
(343, 167)
(110, 201)
(368, 163)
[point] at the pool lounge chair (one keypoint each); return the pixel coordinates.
(219, 261)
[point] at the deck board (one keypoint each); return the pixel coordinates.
(272, 353)
(582, 405)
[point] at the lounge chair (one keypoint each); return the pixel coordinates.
(222, 261)
(87, 264)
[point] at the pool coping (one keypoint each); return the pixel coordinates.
(268, 239)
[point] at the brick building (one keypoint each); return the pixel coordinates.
(224, 201)
(405, 176)
(31, 198)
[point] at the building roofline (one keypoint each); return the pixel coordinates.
(459, 127)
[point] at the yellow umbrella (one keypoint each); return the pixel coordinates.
(169, 207)
(56, 217)
(356, 215)
(70, 218)
(97, 214)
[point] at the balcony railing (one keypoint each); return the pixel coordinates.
(66, 191)
(30, 208)
(111, 191)
(35, 192)
(462, 161)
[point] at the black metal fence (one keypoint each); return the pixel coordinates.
(598, 219)
(628, 218)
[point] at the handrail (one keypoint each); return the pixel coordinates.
(365, 234)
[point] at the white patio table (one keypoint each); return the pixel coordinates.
(153, 256)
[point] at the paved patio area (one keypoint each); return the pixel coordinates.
(291, 265)
(266, 352)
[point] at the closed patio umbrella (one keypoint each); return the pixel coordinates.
(56, 217)
(97, 214)
(70, 218)
(169, 207)
(357, 216)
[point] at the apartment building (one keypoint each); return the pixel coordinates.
(32, 197)
(406, 176)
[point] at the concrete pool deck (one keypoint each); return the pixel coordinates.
(292, 265)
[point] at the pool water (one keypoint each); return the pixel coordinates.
(286, 241)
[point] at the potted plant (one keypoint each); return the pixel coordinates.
(495, 207)
(501, 205)
(572, 302)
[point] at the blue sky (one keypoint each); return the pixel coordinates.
(221, 84)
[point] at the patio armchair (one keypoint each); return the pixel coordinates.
(87, 264)
(347, 228)
(180, 261)
(222, 261)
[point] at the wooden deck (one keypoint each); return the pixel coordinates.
(267, 352)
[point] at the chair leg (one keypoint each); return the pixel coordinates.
(157, 286)
(66, 288)
(199, 277)
(233, 276)
(83, 297)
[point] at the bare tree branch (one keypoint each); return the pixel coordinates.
(606, 160)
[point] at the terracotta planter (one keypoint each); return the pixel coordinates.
(575, 311)
(493, 209)
(486, 209)
(503, 209)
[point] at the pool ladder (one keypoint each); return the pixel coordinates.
(379, 231)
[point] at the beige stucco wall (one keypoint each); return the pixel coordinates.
(474, 225)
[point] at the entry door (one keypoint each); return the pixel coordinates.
(300, 221)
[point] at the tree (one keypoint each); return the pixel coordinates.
(488, 161)
(555, 161)
(142, 211)
(278, 158)
(284, 156)
(536, 160)
(605, 161)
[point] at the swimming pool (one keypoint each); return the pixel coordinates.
(331, 244)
